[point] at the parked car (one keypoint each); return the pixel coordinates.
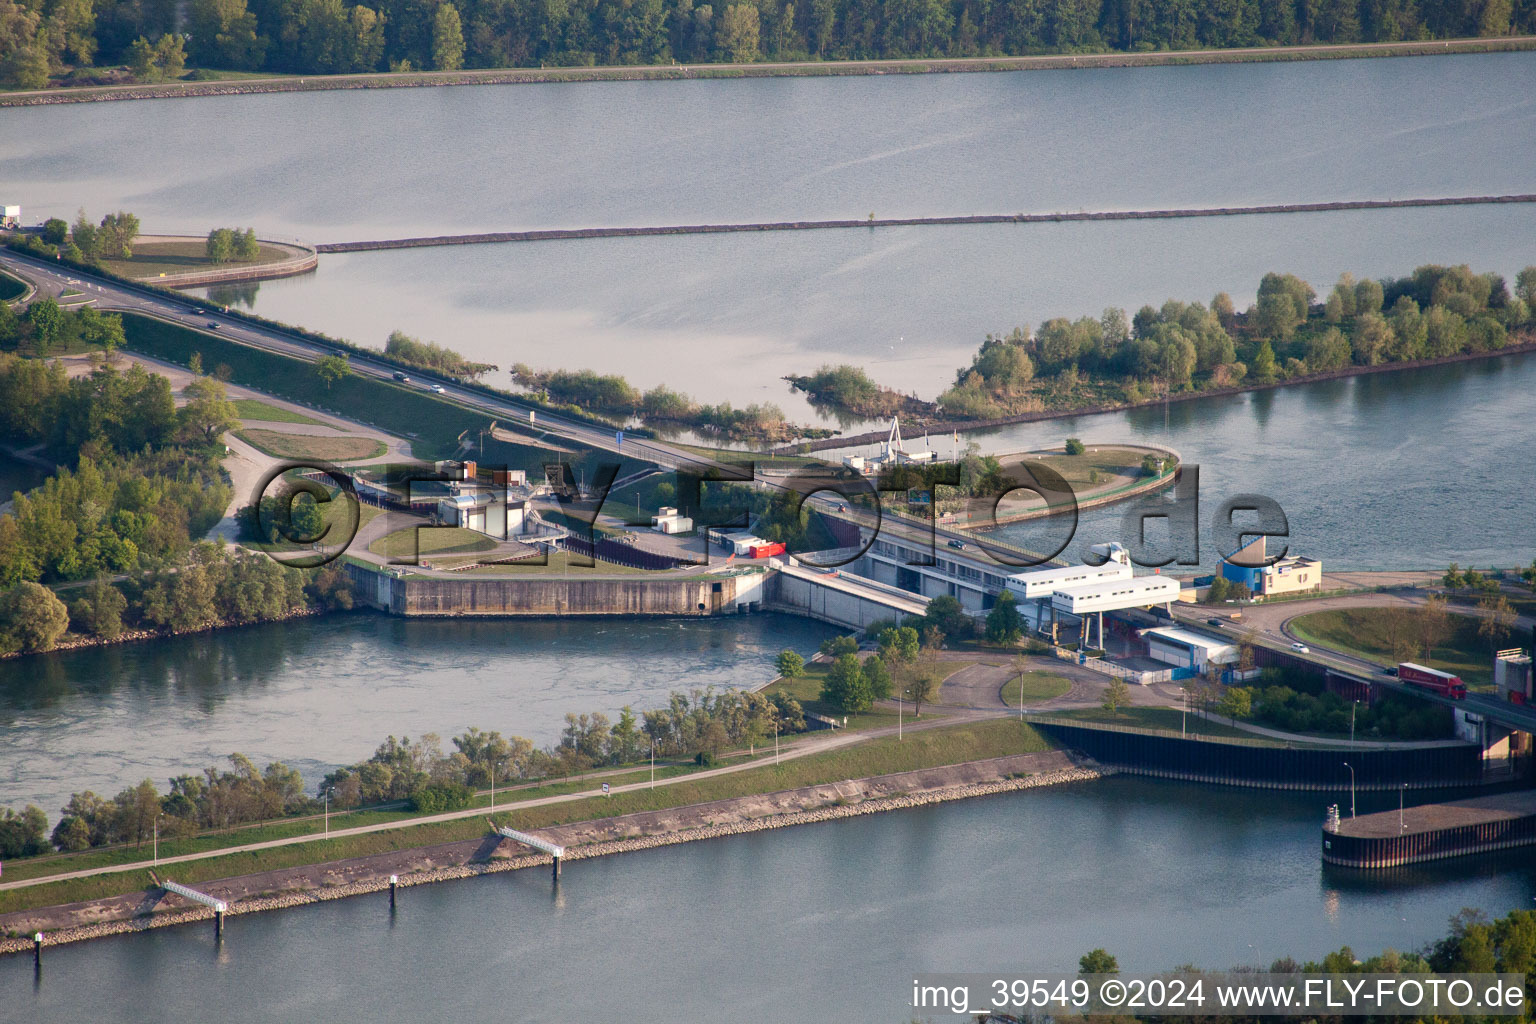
(401, 377)
(437, 389)
(1301, 648)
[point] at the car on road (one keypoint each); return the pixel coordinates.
(212, 326)
(1390, 670)
(402, 378)
(958, 545)
(1215, 622)
(1301, 648)
(437, 389)
(200, 312)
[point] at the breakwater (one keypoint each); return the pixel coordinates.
(1414, 835)
(1270, 765)
(569, 234)
(603, 837)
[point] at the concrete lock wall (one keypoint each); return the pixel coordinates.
(804, 597)
(547, 596)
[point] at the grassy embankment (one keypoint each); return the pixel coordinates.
(11, 288)
(431, 421)
(883, 756)
(1037, 685)
(436, 540)
(265, 412)
(305, 446)
(1169, 720)
(152, 260)
(1365, 633)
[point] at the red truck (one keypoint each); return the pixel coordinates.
(1433, 680)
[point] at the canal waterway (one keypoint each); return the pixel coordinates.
(315, 693)
(1158, 873)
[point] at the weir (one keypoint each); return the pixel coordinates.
(565, 234)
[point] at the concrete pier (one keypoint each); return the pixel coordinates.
(1432, 831)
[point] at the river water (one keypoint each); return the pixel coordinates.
(316, 693)
(1400, 469)
(817, 923)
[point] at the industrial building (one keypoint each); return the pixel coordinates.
(1512, 676)
(10, 216)
(668, 520)
(1289, 575)
(1187, 650)
(1079, 591)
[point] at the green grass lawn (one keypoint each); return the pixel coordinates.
(305, 446)
(560, 563)
(159, 259)
(434, 423)
(435, 540)
(1037, 686)
(807, 690)
(887, 755)
(1364, 632)
(256, 409)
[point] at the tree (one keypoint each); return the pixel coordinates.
(1075, 446)
(47, 322)
(790, 664)
(1263, 367)
(220, 245)
(208, 412)
(736, 39)
(26, 65)
(24, 834)
(1434, 624)
(116, 234)
(899, 645)
(946, 614)
(1246, 648)
(1235, 703)
(836, 646)
(1219, 590)
(1452, 580)
(447, 39)
(1525, 286)
(1097, 962)
(170, 55)
(99, 610)
(331, 369)
(32, 618)
(55, 230)
(846, 687)
(224, 34)
(1116, 695)
(877, 677)
(922, 685)
(1498, 618)
(1004, 626)
(247, 247)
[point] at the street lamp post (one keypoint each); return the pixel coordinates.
(157, 840)
(653, 764)
(493, 784)
(776, 741)
(1352, 706)
(1401, 826)
(327, 813)
(1351, 788)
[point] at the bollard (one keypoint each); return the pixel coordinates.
(394, 882)
(37, 950)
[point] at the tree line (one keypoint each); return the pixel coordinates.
(1287, 333)
(419, 772)
(43, 39)
(112, 237)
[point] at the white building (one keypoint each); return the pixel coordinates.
(10, 216)
(668, 520)
(1182, 648)
(1042, 583)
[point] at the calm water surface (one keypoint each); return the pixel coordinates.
(317, 693)
(1158, 873)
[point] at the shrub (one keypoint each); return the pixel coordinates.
(437, 797)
